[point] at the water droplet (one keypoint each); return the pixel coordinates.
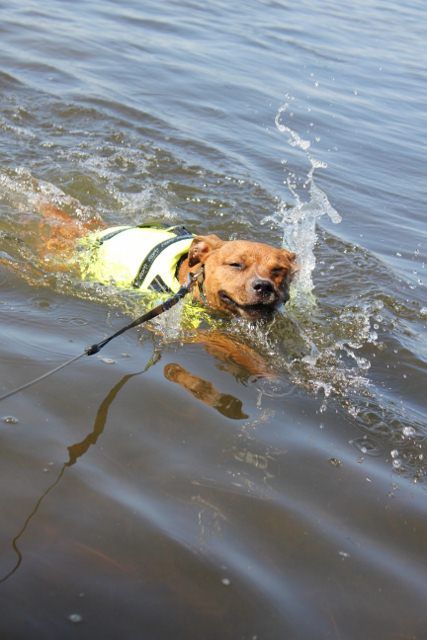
(107, 360)
(397, 464)
(367, 446)
(75, 617)
(343, 554)
(10, 420)
(226, 582)
(335, 462)
(408, 431)
(394, 453)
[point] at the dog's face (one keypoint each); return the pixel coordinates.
(250, 279)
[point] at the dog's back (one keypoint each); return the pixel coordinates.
(142, 257)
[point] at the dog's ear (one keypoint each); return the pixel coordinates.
(290, 255)
(291, 258)
(201, 247)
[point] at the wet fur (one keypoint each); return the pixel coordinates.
(244, 278)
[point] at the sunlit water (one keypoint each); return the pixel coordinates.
(235, 507)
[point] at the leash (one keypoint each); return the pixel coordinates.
(96, 348)
(76, 451)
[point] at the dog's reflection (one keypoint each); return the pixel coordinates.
(203, 390)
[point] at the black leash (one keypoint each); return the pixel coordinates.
(96, 348)
(76, 451)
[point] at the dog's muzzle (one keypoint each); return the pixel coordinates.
(264, 290)
(264, 307)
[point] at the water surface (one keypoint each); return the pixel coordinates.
(293, 508)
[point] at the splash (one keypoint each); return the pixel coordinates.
(294, 138)
(23, 193)
(299, 232)
(328, 364)
(299, 221)
(345, 325)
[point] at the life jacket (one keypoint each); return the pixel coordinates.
(142, 257)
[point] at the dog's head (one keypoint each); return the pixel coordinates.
(250, 279)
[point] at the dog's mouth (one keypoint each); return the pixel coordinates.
(253, 311)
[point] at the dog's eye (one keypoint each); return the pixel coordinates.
(278, 271)
(236, 265)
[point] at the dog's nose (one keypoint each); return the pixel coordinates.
(262, 287)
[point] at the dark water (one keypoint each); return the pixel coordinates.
(293, 509)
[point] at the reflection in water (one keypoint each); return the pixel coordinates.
(76, 451)
(203, 390)
(192, 141)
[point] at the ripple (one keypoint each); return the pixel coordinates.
(368, 446)
(45, 304)
(274, 388)
(72, 320)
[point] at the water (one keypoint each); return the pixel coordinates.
(237, 507)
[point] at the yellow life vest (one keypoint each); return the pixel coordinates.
(142, 257)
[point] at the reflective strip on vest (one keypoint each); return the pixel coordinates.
(118, 255)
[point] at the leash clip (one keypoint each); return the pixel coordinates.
(196, 278)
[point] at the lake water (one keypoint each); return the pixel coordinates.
(290, 509)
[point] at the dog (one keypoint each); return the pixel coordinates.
(239, 277)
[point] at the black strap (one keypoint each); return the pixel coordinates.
(177, 230)
(152, 255)
(180, 230)
(113, 233)
(180, 233)
(95, 348)
(159, 285)
(149, 315)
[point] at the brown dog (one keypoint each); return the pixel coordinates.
(240, 277)
(250, 279)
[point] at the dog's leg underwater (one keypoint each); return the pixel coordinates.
(59, 232)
